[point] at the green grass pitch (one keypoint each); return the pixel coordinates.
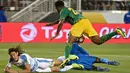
(119, 52)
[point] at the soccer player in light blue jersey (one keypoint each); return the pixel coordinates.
(85, 60)
(28, 64)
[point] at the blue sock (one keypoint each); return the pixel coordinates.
(102, 69)
(104, 60)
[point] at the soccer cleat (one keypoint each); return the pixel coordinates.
(115, 63)
(71, 57)
(120, 32)
(64, 63)
(103, 69)
(106, 70)
(77, 66)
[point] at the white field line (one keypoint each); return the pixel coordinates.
(105, 55)
(3, 50)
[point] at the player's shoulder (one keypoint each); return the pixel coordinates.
(65, 9)
(24, 56)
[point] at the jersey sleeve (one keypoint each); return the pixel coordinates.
(64, 13)
(25, 59)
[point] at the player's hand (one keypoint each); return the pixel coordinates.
(11, 71)
(6, 70)
(53, 37)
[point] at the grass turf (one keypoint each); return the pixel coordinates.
(119, 52)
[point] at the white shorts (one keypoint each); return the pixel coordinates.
(44, 65)
(43, 70)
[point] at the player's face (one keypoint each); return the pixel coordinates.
(14, 55)
(58, 9)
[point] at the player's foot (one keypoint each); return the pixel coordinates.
(103, 69)
(106, 69)
(64, 63)
(120, 32)
(115, 63)
(71, 57)
(77, 66)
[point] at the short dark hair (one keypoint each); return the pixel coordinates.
(59, 3)
(16, 49)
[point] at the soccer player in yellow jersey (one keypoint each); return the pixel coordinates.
(80, 25)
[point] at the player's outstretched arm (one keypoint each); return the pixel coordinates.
(26, 70)
(52, 23)
(10, 71)
(7, 67)
(60, 24)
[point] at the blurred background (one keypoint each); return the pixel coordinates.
(23, 22)
(38, 10)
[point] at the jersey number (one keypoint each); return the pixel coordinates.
(73, 11)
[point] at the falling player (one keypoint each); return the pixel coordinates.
(85, 60)
(24, 61)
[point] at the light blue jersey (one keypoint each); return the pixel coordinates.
(35, 63)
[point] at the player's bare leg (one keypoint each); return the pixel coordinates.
(95, 39)
(100, 40)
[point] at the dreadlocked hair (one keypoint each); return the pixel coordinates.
(16, 49)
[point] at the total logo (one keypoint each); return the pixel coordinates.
(28, 32)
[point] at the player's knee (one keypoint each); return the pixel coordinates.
(71, 39)
(97, 42)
